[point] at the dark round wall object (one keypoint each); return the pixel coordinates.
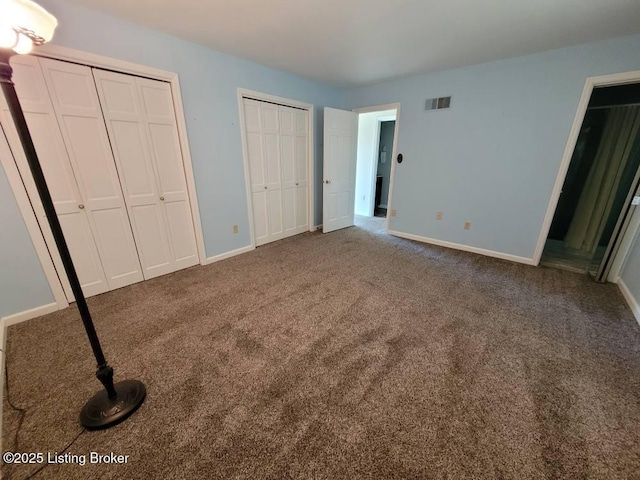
(399, 158)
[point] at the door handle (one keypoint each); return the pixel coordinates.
(81, 207)
(265, 187)
(162, 199)
(327, 181)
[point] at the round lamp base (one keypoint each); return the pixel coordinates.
(101, 412)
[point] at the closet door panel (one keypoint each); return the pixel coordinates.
(276, 226)
(149, 228)
(53, 156)
(301, 170)
(260, 217)
(141, 123)
(77, 108)
(165, 149)
(274, 182)
(289, 210)
(142, 197)
(257, 170)
(302, 210)
(159, 118)
(277, 150)
(180, 232)
(123, 116)
(86, 262)
(272, 160)
(288, 165)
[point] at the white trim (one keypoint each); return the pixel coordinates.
(188, 168)
(232, 253)
(242, 93)
(465, 248)
(98, 61)
(30, 220)
(29, 314)
(377, 108)
(590, 83)
(374, 161)
(392, 175)
(245, 167)
(631, 301)
(627, 241)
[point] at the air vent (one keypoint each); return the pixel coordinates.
(437, 103)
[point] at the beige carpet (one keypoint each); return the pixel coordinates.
(346, 355)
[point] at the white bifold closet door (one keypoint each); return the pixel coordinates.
(277, 150)
(141, 122)
(65, 121)
(110, 152)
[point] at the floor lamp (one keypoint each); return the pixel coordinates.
(24, 24)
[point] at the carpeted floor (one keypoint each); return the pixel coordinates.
(347, 355)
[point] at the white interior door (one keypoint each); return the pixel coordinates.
(339, 168)
(141, 122)
(48, 141)
(75, 102)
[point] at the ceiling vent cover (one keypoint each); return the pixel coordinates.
(437, 103)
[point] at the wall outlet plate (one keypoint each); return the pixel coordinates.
(235, 229)
(467, 225)
(439, 216)
(394, 213)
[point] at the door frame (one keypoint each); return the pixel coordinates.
(625, 245)
(287, 102)
(47, 256)
(394, 151)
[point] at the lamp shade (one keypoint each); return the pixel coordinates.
(24, 23)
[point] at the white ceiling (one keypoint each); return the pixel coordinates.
(356, 42)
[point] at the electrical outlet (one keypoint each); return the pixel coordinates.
(394, 213)
(467, 225)
(439, 216)
(235, 229)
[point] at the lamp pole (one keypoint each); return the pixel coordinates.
(116, 401)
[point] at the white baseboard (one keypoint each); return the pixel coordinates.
(29, 314)
(628, 296)
(466, 248)
(12, 320)
(232, 253)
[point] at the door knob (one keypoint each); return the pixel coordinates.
(162, 199)
(81, 207)
(297, 184)
(327, 181)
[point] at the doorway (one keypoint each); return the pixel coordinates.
(376, 140)
(597, 196)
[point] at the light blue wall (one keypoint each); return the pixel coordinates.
(209, 82)
(23, 285)
(493, 158)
